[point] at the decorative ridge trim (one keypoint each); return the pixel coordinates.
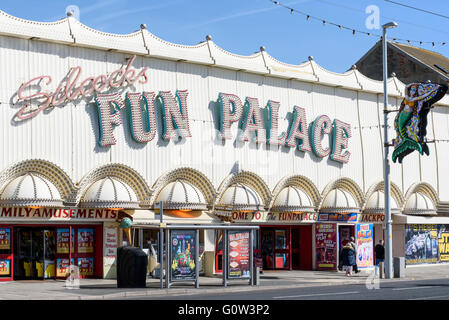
(143, 48)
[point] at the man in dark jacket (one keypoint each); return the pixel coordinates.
(379, 250)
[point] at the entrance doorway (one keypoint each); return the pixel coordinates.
(34, 250)
(286, 247)
(275, 248)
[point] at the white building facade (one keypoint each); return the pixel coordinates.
(97, 124)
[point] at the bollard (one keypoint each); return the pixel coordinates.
(256, 276)
(399, 267)
(381, 270)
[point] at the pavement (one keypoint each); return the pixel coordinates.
(106, 289)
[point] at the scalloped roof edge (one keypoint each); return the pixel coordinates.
(143, 43)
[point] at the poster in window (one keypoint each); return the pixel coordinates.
(63, 240)
(183, 254)
(326, 246)
(238, 257)
(5, 267)
(421, 243)
(5, 239)
(443, 242)
(86, 266)
(62, 267)
(85, 240)
(365, 250)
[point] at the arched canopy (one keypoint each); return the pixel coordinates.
(184, 188)
(375, 199)
(41, 171)
(30, 190)
(244, 191)
(420, 199)
(116, 175)
(295, 194)
(181, 195)
(341, 195)
(109, 192)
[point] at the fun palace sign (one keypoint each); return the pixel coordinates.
(254, 122)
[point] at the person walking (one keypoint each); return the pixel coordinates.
(354, 247)
(379, 251)
(348, 258)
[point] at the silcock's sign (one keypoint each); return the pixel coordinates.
(254, 122)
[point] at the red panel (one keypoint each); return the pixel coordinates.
(305, 238)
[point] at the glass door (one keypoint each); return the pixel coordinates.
(49, 254)
(282, 249)
(267, 248)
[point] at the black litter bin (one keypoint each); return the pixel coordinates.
(131, 267)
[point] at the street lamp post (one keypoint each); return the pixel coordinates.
(388, 230)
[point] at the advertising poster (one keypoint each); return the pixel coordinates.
(326, 246)
(238, 244)
(85, 240)
(443, 242)
(421, 243)
(62, 267)
(365, 252)
(183, 254)
(5, 267)
(63, 240)
(5, 238)
(86, 266)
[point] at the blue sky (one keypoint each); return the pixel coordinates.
(242, 26)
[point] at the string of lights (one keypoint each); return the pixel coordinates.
(354, 30)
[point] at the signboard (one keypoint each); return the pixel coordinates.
(5, 267)
(337, 217)
(62, 267)
(85, 240)
(365, 250)
(372, 217)
(238, 257)
(326, 246)
(421, 243)
(5, 238)
(110, 245)
(182, 254)
(86, 266)
(63, 240)
(57, 214)
(273, 217)
(443, 242)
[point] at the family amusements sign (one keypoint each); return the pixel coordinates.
(256, 123)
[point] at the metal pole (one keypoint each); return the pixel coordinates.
(161, 246)
(388, 230)
(167, 259)
(197, 259)
(225, 258)
(251, 257)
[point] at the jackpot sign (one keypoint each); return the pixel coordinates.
(254, 122)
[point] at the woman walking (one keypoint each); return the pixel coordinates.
(348, 258)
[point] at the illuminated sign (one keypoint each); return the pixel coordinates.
(254, 122)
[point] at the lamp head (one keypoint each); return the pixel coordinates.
(390, 25)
